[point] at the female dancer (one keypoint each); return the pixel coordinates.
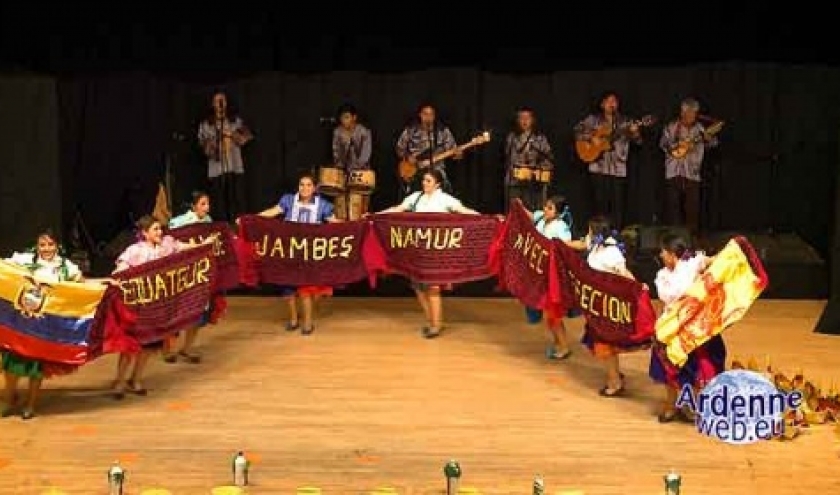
(199, 212)
(554, 222)
(152, 245)
(682, 267)
(46, 264)
(305, 207)
(606, 254)
(432, 199)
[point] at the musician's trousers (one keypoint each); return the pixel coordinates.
(609, 197)
(227, 197)
(682, 203)
(532, 194)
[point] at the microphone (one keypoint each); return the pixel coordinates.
(327, 120)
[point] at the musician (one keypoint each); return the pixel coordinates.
(682, 175)
(352, 145)
(608, 174)
(421, 141)
(527, 148)
(352, 141)
(222, 135)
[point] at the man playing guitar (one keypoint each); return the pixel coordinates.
(420, 142)
(527, 155)
(608, 173)
(684, 142)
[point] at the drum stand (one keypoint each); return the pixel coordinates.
(347, 206)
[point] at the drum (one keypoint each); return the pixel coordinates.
(362, 181)
(331, 181)
(544, 175)
(525, 174)
(359, 205)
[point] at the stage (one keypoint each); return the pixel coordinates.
(365, 403)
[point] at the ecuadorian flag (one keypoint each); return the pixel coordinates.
(48, 321)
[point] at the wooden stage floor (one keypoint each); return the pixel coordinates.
(365, 402)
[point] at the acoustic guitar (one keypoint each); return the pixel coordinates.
(681, 149)
(408, 170)
(602, 138)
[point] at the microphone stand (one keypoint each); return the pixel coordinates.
(223, 166)
(348, 157)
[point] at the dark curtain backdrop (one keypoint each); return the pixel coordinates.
(30, 187)
(773, 169)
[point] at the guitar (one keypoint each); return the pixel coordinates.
(602, 138)
(408, 170)
(680, 149)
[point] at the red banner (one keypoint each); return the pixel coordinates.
(289, 253)
(432, 248)
(618, 310)
(169, 294)
(525, 263)
(224, 249)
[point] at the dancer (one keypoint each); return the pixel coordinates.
(606, 254)
(199, 212)
(305, 207)
(554, 221)
(431, 199)
(682, 267)
(46, 263)
(152, 245)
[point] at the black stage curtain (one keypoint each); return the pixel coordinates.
(829, 322)
(773, 169)
(30, 187)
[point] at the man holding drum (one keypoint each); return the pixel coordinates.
(351, 146)
(528, 161)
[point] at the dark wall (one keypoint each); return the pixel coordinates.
(773, 170)
(30, 185)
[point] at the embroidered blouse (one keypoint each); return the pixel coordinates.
(144, 252)
(607, 258)
(188, 218)
(47, 271)
(437, 202)
(671, 285)
(317, 210)
(555, 229)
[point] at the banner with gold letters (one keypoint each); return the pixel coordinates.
(296, 254)
(432, 248)
(168, 294)
(525, 263)
(224, 249)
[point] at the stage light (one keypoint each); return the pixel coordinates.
(672, 483)
(116, 479)
(227, 490)
(241, 466)
(452, 471)
(539, 486)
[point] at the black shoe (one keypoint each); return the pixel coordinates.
(308, 330)
(612, 392)
(429, 333)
